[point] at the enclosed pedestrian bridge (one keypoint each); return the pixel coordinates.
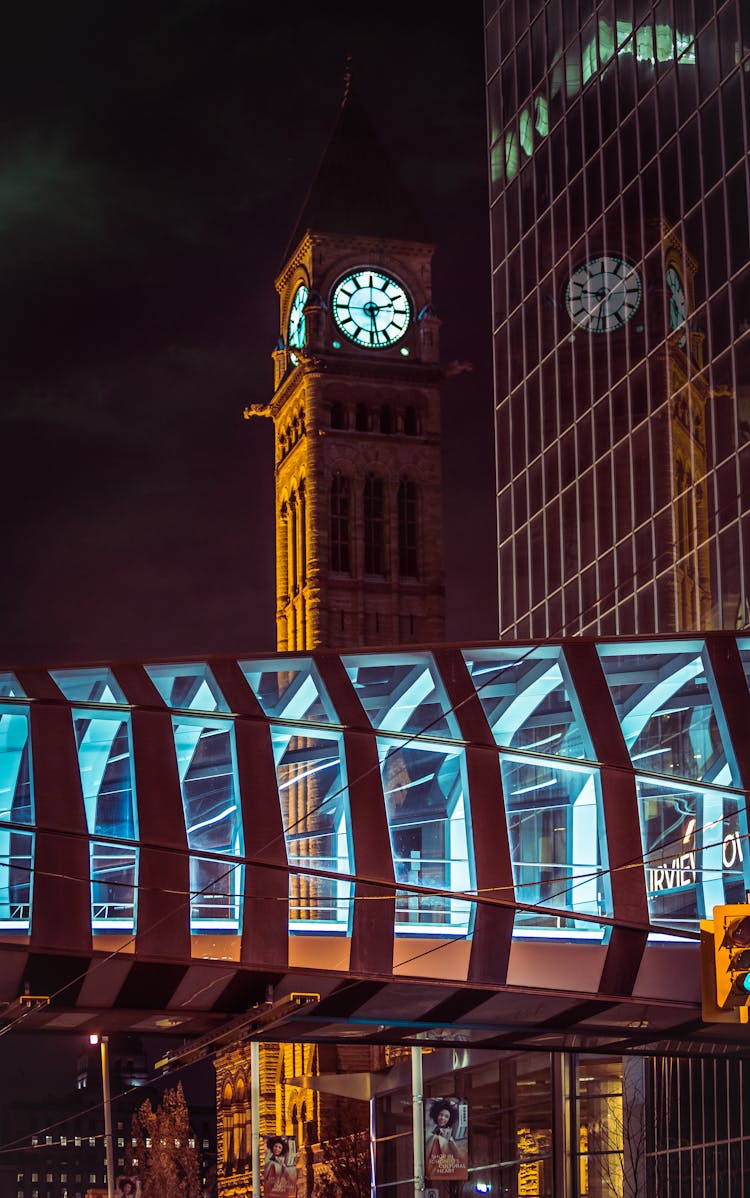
(494, 844)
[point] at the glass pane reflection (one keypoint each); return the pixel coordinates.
(694, 844)
(428, 822)
(402, 695)
(665, 709)
(315, 812)
(527, 700)
(188, 686)
(106, 768)
(208, 783)
(16, 864)
(289, 690)
(556, 837)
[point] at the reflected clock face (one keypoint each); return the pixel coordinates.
(297, 334)
(677, 299)
(603, 294)
(371, 308)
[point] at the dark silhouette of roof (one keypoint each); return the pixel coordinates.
(356, 191)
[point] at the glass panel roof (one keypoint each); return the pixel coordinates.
(189, 686)
(404, 694)
(10, 687)
(95, 684)
(526, 699)
(665, 709)
(15, 766)
(289, 690)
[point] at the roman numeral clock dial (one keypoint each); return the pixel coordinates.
(603, 294)
(371, 308)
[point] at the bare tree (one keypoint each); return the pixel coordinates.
(162, 1155)
(616, 1157)
(344, 1171)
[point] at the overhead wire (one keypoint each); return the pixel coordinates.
(638, 861)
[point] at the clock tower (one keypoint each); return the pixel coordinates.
(356, 413)
(356, 410)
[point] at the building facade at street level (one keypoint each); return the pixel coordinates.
(507, 854)
(618, 155)
(58, 1146)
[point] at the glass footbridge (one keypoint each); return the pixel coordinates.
(499, 840)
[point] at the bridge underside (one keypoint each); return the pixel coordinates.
(199, 998)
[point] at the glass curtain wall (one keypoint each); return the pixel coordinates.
(617, 142)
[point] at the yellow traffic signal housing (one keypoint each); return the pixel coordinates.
(725, 944)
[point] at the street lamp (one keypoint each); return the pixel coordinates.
(103, 1042)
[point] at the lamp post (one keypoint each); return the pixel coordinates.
(103, 1042)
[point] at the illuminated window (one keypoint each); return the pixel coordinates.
(208, 785)
(312, 786)
(374, 511)
(526, 132)
(340, 524)
(107, 779)
(16, 847)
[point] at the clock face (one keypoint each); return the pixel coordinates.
(677, 300)
(371, 308)
(297, 330)
(603, 294)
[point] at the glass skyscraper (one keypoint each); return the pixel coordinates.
(618, 139)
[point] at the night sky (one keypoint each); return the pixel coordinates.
(154, 160)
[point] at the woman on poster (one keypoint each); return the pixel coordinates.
(279, 1178)
(444, 1156)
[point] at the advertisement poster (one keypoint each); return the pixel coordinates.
(279, 1170)
(128, 1187)
(446, 1153)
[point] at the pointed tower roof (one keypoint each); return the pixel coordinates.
(356, 191)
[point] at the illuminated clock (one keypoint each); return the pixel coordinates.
(677, 300)
(297, 334)
(603, 294)
(371, 308)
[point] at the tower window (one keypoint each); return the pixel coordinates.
(361, 420)
(337, 414)
(407, 529)
(386, 419)
(340, 524)
(411, 427)
(374, 525)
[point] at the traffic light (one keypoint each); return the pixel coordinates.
(726, 969)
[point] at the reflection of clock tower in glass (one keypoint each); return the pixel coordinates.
(356, 410)
(621, 283)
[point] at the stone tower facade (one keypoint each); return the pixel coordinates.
(356, 412)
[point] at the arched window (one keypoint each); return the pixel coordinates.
(374, 511)
(337, 414)
(340, 524)
(302, 499)
(386, 419)
(293, 547)
(362, 422)
(407, 529)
